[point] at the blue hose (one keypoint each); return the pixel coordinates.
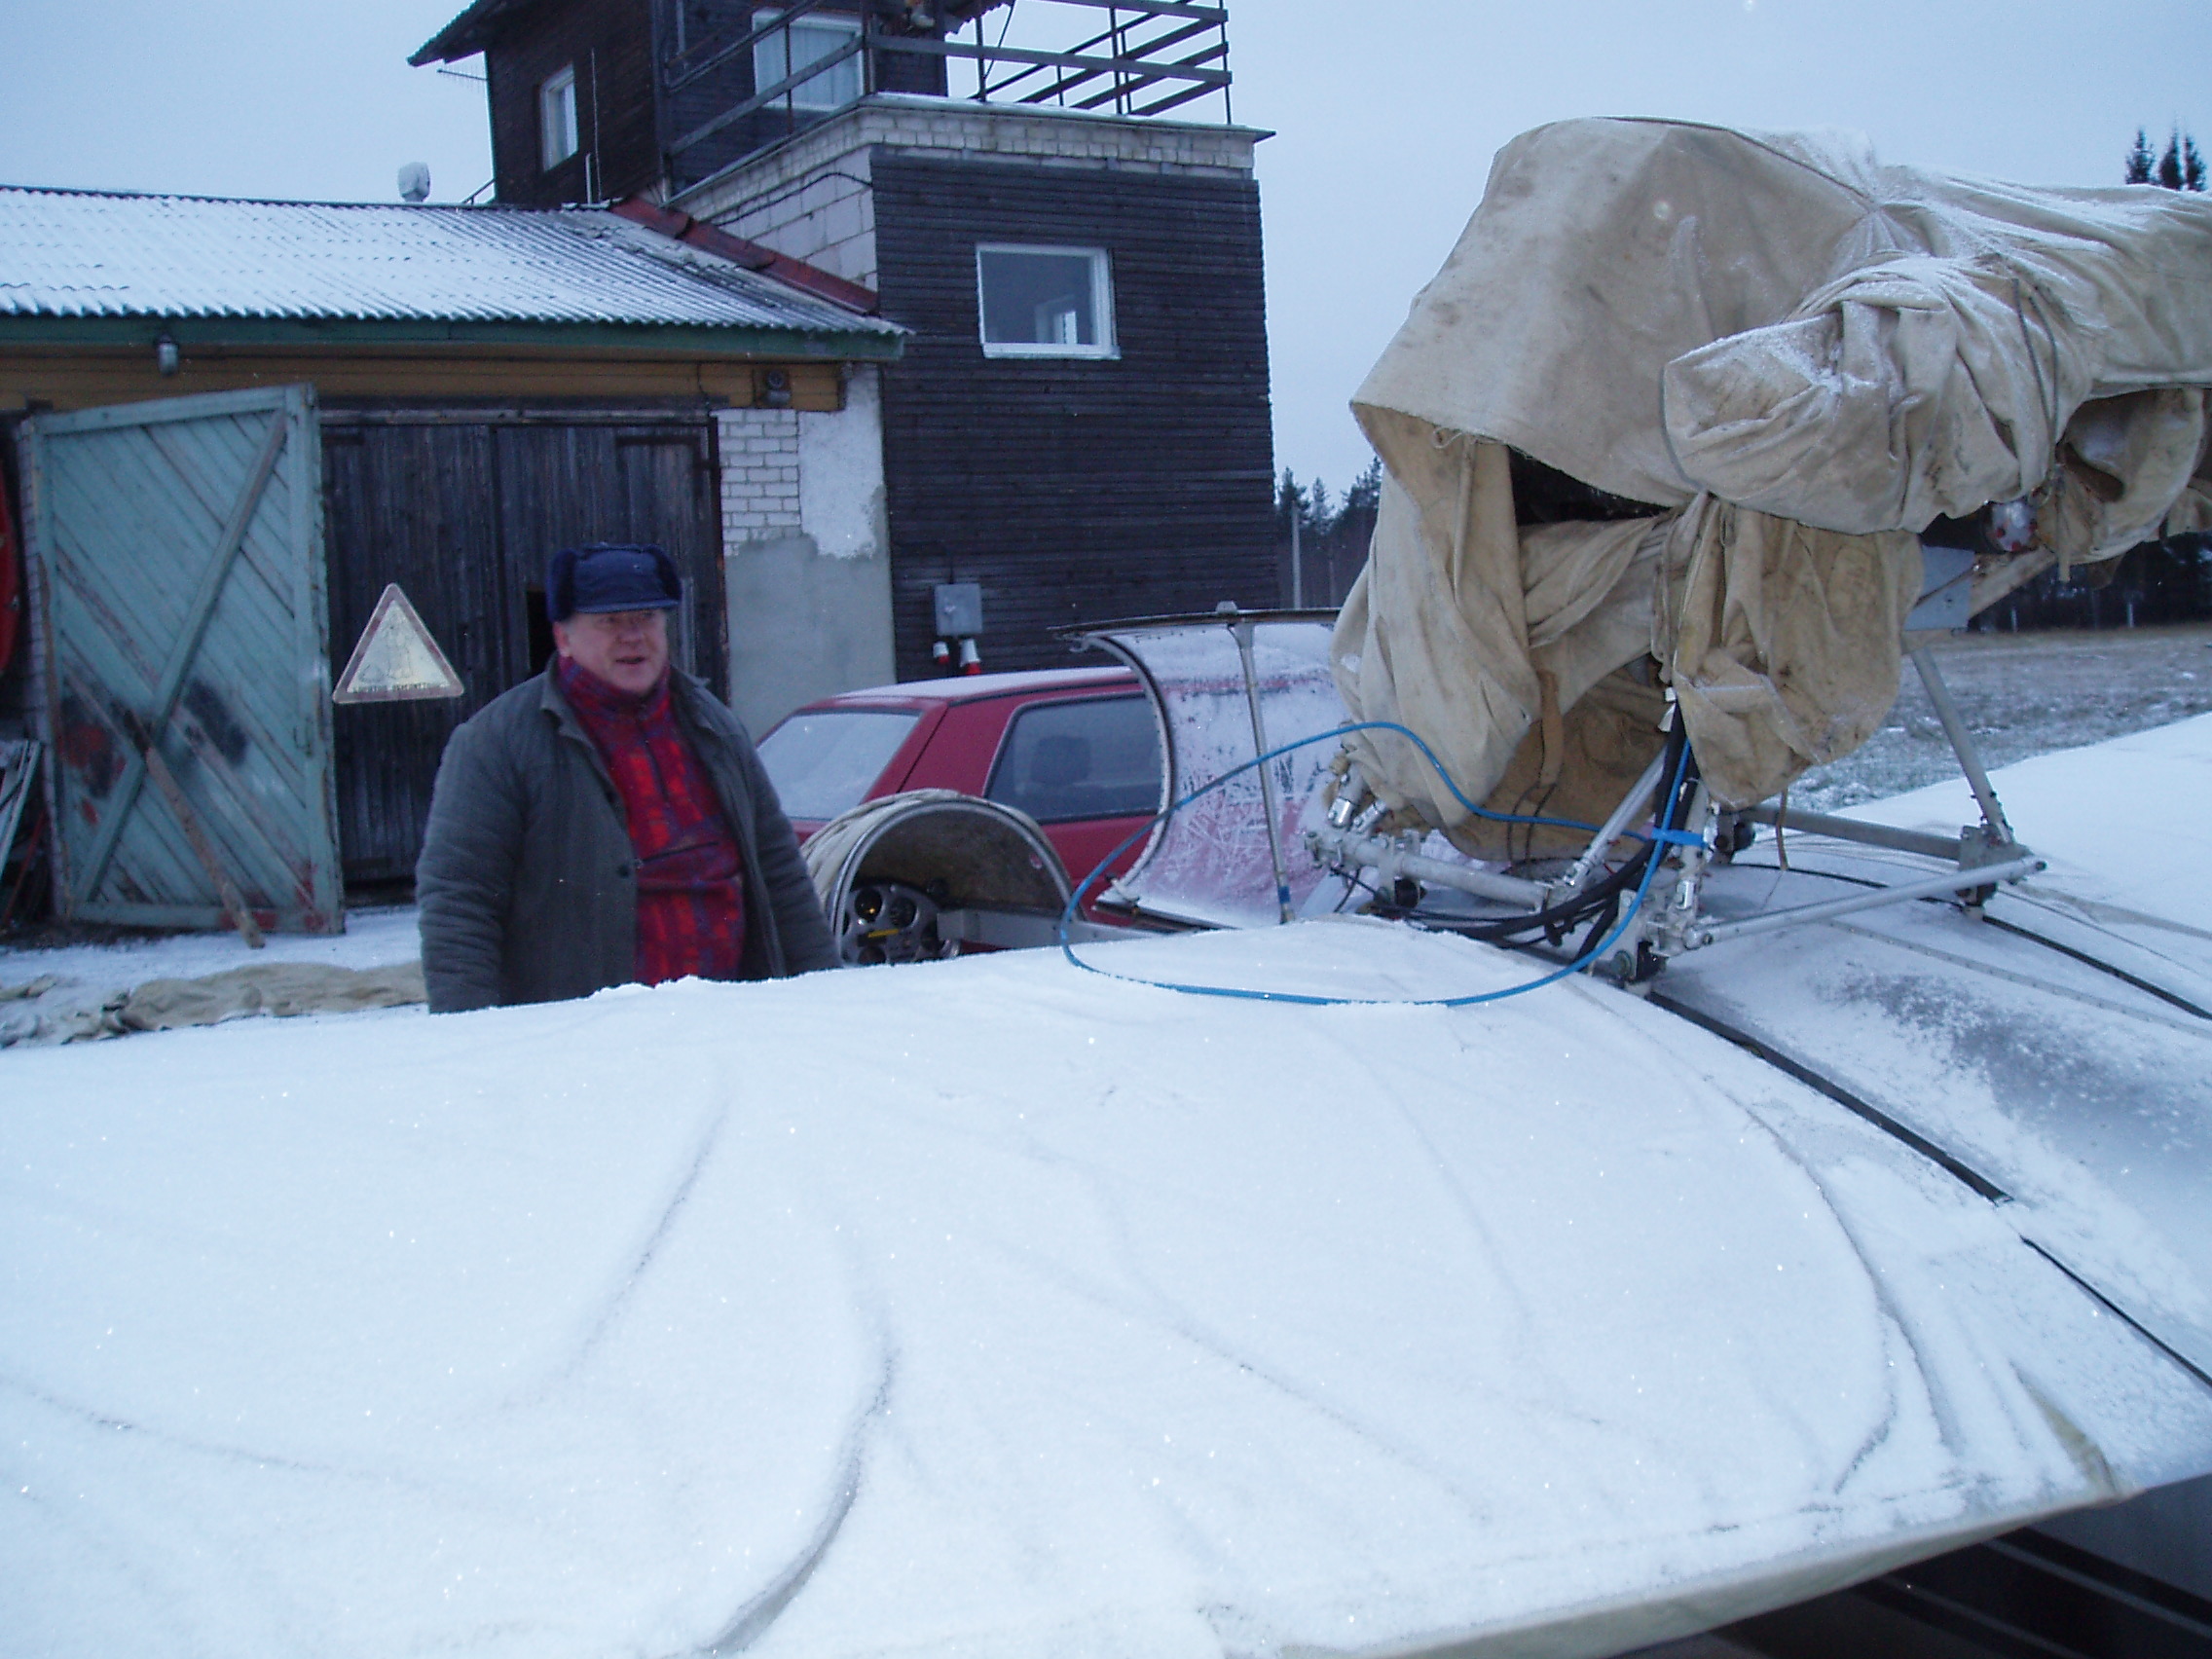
(1661, 834)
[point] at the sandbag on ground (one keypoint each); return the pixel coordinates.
(51, 1009)
(281, 988)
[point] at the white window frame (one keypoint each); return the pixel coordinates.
(1108, 345)
(557, 119)
(777, 44)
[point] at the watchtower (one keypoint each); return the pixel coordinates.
(1050, 195)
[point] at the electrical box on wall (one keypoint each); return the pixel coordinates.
(959, 610)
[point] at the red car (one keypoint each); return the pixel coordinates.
(1077, 749)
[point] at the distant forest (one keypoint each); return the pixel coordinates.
(1331, 535)
(2159, 581)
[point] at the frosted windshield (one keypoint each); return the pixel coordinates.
(825, 761)
(1211, 862)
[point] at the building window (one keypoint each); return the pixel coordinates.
(1044, 302)
(808, 40)
(557, 117)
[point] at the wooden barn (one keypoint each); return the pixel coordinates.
(1080, 424)
(231, 424)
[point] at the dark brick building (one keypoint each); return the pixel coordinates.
(1080, 423)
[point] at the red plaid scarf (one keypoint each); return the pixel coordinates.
(690, 880)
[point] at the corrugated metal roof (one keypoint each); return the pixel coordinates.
(88, 254)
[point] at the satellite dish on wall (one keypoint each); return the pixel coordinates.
(415, 182)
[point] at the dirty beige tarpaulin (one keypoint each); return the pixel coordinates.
(1794, 359)
(50, 1009)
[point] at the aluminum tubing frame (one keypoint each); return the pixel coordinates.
(1702, 933)
(1391, 861)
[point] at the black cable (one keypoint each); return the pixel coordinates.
(1607, 892)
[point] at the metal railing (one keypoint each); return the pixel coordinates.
(1139, 52)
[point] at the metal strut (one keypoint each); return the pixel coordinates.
(1241, 627)
(1994, 831)
(1985, 855)
(1672, 920)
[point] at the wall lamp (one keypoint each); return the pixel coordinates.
(166, 357)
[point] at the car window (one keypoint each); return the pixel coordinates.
(823, 760)
(1094, 759)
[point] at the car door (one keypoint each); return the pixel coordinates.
(1088, 769)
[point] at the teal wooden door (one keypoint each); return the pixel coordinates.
(186, 669)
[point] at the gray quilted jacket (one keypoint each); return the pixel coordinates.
(527, 882)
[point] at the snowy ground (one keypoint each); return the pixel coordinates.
(372, 939)
(995, 1307)
(2024, 695)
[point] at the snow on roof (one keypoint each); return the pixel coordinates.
(68, 253)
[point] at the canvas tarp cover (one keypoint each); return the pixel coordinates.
(1797, 358)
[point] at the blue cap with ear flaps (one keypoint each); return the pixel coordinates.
(609, 576)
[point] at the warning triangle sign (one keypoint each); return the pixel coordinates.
(396, 660)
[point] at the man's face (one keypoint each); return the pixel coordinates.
(628, 649)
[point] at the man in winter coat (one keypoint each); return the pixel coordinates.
(607, 822)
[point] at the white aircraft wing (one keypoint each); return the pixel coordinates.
(999, 1307)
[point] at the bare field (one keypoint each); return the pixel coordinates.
(2023, 695)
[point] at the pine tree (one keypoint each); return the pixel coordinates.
(1355, 522)
(1290, 503)
(1366, 492)
(2169, 164)
(1356, 515)
(2142, 160)
(1332, 533)
(1320, 516)
(2181, 168)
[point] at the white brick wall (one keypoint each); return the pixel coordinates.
(829, 222)
(809, 197)
(759, 473)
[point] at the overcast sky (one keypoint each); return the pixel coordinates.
(1386, 114)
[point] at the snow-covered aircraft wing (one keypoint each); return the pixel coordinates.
(995, 1307)
(2059, 1054)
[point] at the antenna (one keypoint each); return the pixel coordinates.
(415, 182)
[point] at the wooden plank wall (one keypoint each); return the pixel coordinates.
(615, 46)
(708, 97)
(1075, 489)
(463, 513)
(610, 43)
(733, 83)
